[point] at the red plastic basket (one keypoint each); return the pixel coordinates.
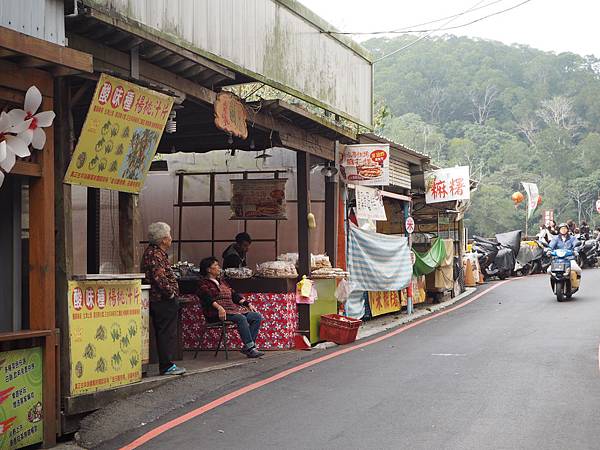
(338, 329)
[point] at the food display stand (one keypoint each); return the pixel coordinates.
(274, 298)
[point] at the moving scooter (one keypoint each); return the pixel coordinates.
(563, 280)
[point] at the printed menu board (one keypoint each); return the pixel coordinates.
(120, 136)
(261, 199)
(21, 411)
(105, 331)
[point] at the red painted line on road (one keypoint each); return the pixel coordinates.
(146, 437)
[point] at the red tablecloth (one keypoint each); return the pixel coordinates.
(276, 333)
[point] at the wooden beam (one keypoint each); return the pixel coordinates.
(129, 230)
(93, 230)
(28, 61)
(26, 168)
(21, 78)
(47, 51)
(148, 71)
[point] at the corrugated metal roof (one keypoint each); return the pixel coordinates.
(383, 140)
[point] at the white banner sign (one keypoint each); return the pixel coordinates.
(533, 195)
(366, 165)
(369, 204)
(444, 185)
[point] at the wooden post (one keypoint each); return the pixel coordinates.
(63, 222)
(41, 271)
(303, 180)
(331, 215)
(93, 230)
(129, 227)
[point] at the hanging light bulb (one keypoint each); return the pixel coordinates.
(171, 125)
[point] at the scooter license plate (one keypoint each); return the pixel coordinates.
(559, 267)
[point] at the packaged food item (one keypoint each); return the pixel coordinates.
(238, 273)
(319, 262)
(328, 272)
(276, 269)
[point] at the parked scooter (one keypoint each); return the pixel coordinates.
(588, 252)
(529, 259)
(561, 278)
(497, 259)
(541, 264)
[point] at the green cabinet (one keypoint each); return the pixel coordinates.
(326, 303)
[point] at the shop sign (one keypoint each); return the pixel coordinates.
(231, 115)
(549, 214)
(120, 136)
(146, 325)
(444, 185)
(105, 334)
(262, 199)
(369, 204)
(21, 413)
(384, 302)
(598, 205)
(366, 164)
(410, 225)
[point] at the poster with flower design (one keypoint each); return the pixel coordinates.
(20, 128)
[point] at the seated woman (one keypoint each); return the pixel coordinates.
(220, 302)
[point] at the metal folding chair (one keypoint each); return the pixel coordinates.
(223, 325)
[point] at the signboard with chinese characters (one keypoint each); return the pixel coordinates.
(410, 225)
(444, 185)
(105, 334)
(119, 137)
(21, 411)
(369, 204)
(262, 199)
(384, 302)
(366, 164)
(231, 115)
(598, 205)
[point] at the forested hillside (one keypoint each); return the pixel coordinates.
(512, 113)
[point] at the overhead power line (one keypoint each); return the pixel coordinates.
(410, 27)
(444, 27)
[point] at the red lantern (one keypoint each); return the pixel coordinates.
(517, 198)
(539, 200)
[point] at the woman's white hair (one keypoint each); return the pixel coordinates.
(157, 231)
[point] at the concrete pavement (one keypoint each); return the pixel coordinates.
(514, 369)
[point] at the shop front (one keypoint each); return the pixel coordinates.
(29, 336)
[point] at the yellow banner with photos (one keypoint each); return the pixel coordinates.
(105, 331)
(120, 136)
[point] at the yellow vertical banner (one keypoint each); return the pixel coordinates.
(105, 334)
(384, 302)
(120, 136)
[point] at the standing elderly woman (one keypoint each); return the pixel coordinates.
(164, 291)
(220, 302)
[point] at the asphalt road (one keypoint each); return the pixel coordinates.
(514, 369)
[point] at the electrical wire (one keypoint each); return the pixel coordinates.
(408, 29)
(445, 28)
(430, 32)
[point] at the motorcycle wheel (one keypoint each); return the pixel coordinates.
(503, 275)
(526, 270)
(559, 289)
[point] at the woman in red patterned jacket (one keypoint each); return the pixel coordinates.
(164, 291)
(220, 302)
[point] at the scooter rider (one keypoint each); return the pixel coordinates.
(565, 241)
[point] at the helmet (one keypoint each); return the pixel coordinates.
(563, 224)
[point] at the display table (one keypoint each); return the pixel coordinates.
(275, 299)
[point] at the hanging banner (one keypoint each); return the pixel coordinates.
(105, 334)
(384, 302)
(262, 199)
(533, 195)
(120, 136)
(366, 164)
(444, 185)
(369, 204)
(21, 411)
(231, 114)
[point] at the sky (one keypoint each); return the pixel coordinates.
(550, 25)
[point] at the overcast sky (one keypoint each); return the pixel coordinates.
(551, 25)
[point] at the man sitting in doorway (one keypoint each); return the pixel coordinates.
(234, 256)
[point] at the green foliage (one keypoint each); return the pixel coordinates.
(512, 113)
